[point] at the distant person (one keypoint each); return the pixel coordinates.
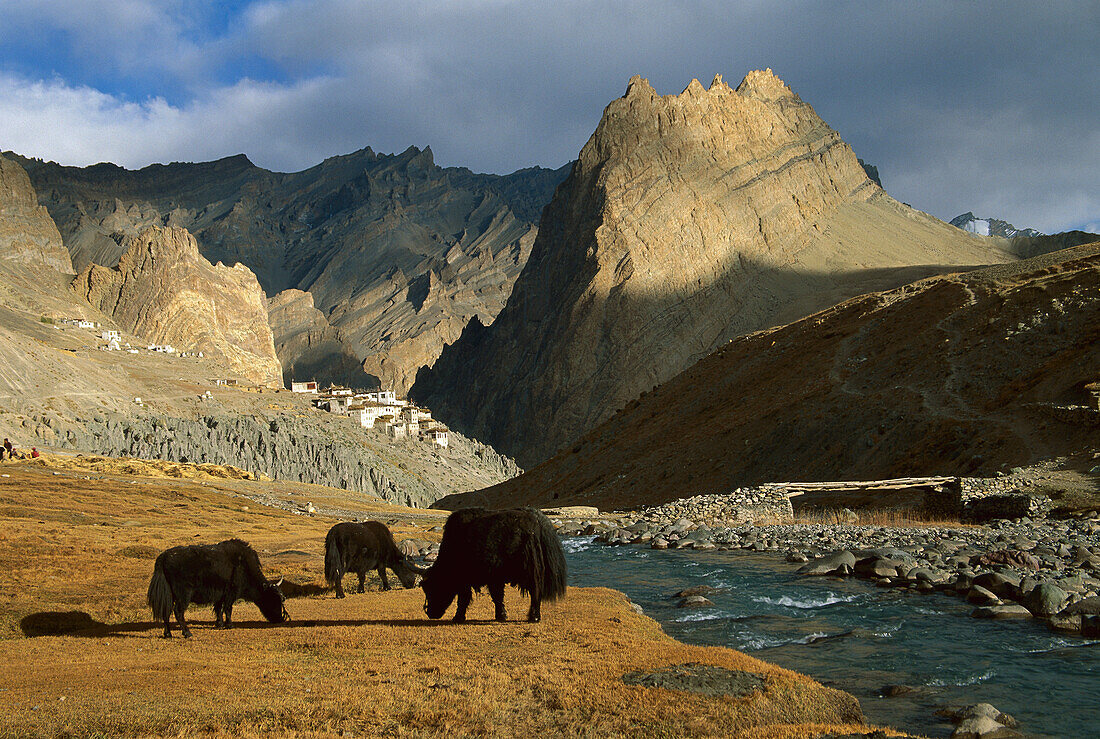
(8, 448)
(34, 453)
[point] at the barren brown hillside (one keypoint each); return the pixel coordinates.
(959, 374)
(80, 657)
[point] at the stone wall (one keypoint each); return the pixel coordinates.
(766, 503)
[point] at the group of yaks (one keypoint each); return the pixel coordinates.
(480, 548)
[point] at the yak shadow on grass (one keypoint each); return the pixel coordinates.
(79, 623)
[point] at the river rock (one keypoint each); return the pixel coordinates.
(695, 590)
(877, 567)
(1045, 599)
(695, 601)
(829, 564)
(1008, 610)
(982, 597)
(1010, 557)
(1003, 586)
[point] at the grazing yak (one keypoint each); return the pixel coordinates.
(358, 547)
(495, 548)
(220, 574)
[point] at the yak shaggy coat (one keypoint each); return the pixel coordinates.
(358, 547)
(495, 548)
(220, 574)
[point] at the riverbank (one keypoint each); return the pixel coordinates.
(77, 549)
(908, 657)
(1043, 569)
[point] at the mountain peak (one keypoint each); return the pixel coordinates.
(639, 86)
(764, 84)
(688, 220)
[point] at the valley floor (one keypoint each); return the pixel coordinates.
(81, 657)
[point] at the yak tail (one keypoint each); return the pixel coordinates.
(334, 562)
(160, 595)
(546, 561)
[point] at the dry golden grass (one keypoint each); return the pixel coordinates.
(143, 467)
(78, 552)
(878, 517)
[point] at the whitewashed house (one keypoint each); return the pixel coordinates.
(394, 428)
(110, 334)
(369, 413)
(438, 436)
(304, 387)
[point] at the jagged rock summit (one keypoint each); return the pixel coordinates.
(991, 227)
(688, 220)
(164, 291)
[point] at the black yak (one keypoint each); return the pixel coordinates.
(358, 547)
(495, 548)
(220, 574)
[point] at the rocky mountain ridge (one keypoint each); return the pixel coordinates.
(398, 253)
(58, 388)
(162, 289)
(962, 374)
(991, 227)
(687, 221)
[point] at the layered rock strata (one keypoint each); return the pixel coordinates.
(34, 264)
(398, 253)
(28, 236)
(164, 291)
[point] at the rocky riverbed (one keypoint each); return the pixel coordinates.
(1025, 568)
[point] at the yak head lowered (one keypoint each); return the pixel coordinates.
(270, 602)
(439, 592)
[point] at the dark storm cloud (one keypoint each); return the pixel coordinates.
(989, 107)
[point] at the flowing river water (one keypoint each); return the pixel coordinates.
(851, 635)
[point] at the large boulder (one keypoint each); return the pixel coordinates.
(1045, 599)
(829, 564)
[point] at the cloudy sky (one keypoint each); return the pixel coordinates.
(992, 107)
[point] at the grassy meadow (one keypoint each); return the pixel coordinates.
(81, 657)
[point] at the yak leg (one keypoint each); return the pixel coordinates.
(181, 606)
(362, 581)
(497, 592)
(167, 630)
(339, 584)
(227, 608)
(464, 597)
(218, 615)
(382, 574)
(534, 613)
